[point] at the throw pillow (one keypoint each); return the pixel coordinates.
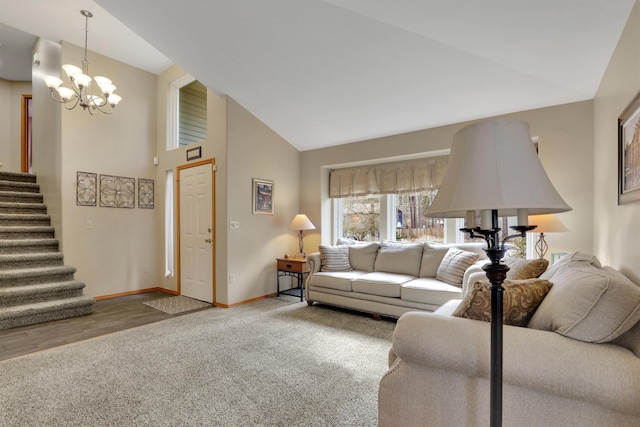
(334, 258)
(588, 303)
(520, 300)
(362, 256)
(400, 258)
(454, 264)
(522, 269)
(432, 256)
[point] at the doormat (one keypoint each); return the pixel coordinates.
(177, 304)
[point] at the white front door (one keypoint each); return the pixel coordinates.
(196, 232)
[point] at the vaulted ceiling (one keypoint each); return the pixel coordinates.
(328, 72)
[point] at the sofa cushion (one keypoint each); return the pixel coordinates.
(429, 291)
(335, 258)
(521, 298)
(380, 283)
(572, 257)
(454, 264)
(362, 256)
(589, 303)
(432, 255)
(521, 269)
(630, 339)
(401, 258)
(340, 281)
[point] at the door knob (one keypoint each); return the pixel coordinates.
(208, 240)
(209, 230)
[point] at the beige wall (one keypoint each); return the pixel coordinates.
(5, 126)
(565, 148)
(255, 151)
(112, 256)
(615, 232)
(243, 148)
(214, 147)
(47, 131)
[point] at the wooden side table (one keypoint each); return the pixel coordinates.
(292, 267)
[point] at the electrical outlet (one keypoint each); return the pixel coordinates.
(232, 278)
(146, 269)
(89, 224)
(234, 225)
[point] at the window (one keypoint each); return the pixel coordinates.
(168, 224)
(187, 112)
(399, 217)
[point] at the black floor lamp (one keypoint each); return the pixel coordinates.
(494, 171)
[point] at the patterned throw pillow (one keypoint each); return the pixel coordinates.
(521, 298)
(335, 258)
(522, 269)
(454, 264)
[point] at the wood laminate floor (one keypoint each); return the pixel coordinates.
(109, 315)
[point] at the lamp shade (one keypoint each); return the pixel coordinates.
(301, 222)
(547, 224)
(493, 165)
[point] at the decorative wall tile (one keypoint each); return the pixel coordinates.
(117, 192)
(145, 193)
(86, 189)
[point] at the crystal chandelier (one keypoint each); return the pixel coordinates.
(79, 94)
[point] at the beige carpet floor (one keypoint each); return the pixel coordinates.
(274, 362)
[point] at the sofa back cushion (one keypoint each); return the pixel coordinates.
(588, 303)
(362, 256)
(401, 258)
(630, 339)
(432, 255)
(334, 258)
(454, 264)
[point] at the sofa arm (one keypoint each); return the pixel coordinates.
(473, 274)
(603, 374)
(314, 262)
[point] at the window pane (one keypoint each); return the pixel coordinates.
(192, 125)
(412, 223)
(361, 218)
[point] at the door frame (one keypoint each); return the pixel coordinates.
(212, 162)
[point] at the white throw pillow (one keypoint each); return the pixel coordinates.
(454, 264)
(334, 258)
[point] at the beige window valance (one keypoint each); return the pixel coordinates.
(388, 178)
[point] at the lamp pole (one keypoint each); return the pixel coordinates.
(496, 273)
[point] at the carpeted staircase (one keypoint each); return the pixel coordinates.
(35, 285)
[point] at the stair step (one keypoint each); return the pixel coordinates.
(17, 177)
(36, 276)
(30, 260)
(25, 246)
(29, 314)
(30, 294)
(22, 232)
(20, 187)
(23, 208)
(20, 197)
(14, 219)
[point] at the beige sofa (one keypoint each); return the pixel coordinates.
(577, 363)
(390, 278)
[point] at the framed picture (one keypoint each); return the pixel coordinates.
(86, 189)
(117, 192)
(145, 193)
(629, 153)
(194, 153)
(262, 196)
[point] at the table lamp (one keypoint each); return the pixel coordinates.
(300, 222)
(493, 171)
(545, 224)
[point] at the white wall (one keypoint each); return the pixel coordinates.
(112, 256)
(565, 148)
(615, 227)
